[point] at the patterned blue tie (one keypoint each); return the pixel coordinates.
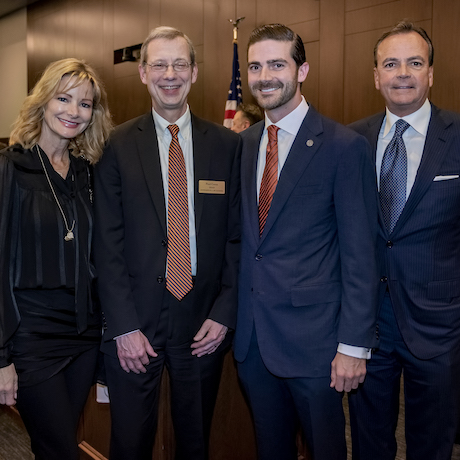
(393, 177)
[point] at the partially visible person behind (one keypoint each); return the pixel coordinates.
(246, 115)
(416, 150)
(49, 327)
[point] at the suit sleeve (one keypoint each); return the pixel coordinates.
(355, 199)
(113, 279)
(225, 306)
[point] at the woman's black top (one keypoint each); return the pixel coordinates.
(34, 256)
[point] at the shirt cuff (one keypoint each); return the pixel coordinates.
(127, 333)
(355, 352)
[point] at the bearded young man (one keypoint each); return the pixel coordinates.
(308, 279)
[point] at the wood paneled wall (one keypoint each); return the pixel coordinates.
(339, 36)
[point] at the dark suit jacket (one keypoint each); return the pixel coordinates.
(420, 261)
(131, 231)
(310, 281)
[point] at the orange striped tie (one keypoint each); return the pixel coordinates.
(179, 267)
(270, 176)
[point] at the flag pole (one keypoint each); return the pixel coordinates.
(235, 96)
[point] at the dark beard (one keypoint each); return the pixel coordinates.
(288, 91)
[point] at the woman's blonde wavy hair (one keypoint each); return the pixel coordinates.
(28, 126)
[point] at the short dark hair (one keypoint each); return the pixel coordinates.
(250, 111)
(405, 27)
(283, 34)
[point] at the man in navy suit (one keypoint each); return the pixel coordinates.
(419, 256)
(158, 313)
(307, 290)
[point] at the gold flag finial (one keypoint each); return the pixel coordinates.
(235, 23)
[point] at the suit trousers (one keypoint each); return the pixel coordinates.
(135, 397)
(431, 393)
(280, 405)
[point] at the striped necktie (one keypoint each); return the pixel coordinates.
(179, 267)
(269, 178)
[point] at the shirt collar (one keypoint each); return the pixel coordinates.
(419, 120)
(292, 121)
(184, 124)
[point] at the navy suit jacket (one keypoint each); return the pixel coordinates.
(310, 281)
(420, 260)
(131, 229)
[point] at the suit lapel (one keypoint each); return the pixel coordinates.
(373, 132)
(251, 141)
(436, 147)
(147, 148)
(202, 153)
(305, 146)
(372, 135)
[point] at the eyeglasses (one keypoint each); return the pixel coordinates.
(180, 66)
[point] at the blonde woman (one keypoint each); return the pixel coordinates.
(49, 324)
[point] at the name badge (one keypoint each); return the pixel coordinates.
(215, 187)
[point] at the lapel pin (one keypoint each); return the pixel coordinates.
(310, 142)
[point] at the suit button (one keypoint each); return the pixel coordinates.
(164, 242)
(160, 279)
(389, 244)
(383, 279)
(258, 256)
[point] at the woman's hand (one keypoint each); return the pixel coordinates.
(8, 385)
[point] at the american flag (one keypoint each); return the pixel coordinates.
(235, 96)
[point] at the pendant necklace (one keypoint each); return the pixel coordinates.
(69, 236)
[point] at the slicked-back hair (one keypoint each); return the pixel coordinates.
(405, 27)
(167, 33)
(280, 33)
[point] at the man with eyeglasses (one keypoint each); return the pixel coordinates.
(167, 249)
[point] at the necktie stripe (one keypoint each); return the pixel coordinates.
(179, 278)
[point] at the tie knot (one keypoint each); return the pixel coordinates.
(174, 129)
(400, 127)
(272, 133)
